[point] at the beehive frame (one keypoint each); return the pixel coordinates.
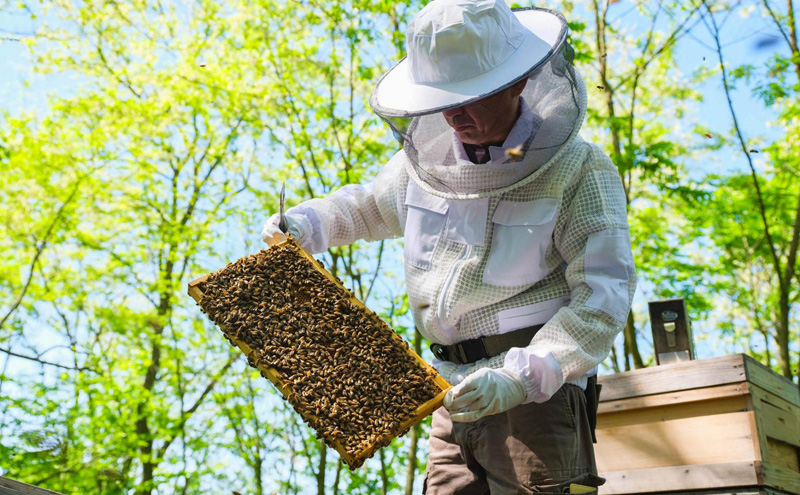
(195, 290)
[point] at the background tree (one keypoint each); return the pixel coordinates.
(757, 226)
(162, 159)
(178, 129)
(636, 95)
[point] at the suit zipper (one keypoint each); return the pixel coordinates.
(446, 327)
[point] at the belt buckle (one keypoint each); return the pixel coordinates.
(473, 350)
(461, 356)
(440, 352)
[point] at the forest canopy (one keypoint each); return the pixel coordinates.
(144, 143)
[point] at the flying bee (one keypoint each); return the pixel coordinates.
(514, 153)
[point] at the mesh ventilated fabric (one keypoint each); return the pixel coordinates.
(561, 192)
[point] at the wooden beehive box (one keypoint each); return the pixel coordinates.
(196, 291)
(13, 487)
(725, 425)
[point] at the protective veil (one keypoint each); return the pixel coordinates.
(551, 94)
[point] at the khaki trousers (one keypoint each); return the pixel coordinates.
(532, 448)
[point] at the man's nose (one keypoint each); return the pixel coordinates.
(452, 112)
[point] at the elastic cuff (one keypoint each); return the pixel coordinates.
(540, 374)
(303, 227)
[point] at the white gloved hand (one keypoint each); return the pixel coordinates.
(485, 392)
(271, 233)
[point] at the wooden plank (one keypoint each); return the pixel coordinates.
(779, 424)
(718, 439)
(669, 412)
(13, 487)
(780, 419)
(195, 290)
(781, 478)
(758, 438)
(675, 397)
(767, 379)
(673, 377)
(680, 478)
(784, 455)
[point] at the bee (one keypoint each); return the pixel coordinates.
(514, 153)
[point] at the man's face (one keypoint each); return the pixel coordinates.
(489, 120)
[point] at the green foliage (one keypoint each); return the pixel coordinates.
(186, 118)
(165, 158)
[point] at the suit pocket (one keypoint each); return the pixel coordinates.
(522, 233)
(530, 315)
(425, 223)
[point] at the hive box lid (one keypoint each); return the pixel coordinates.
(723, 370)
(12, 487)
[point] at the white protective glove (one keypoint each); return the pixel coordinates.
(272, 234)
(485, 392)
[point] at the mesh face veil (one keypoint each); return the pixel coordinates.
(554, 95)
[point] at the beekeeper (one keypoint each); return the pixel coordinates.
(517, 255)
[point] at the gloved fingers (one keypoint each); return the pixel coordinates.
(271, 233)
(468, 416)
(470, 401)
(448, 399)
(278, 238)
(467, 385)
(459, 390)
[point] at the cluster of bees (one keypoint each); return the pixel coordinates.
(341, 367)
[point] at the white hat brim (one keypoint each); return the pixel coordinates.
(396, 95)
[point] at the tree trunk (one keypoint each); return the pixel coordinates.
(411, 474)
(336, 480)
(614, 361)
(631, 346)
(782, 337)
(384, 477)
(142, 428)
(259, 481)
(323, 457)
(145, 487)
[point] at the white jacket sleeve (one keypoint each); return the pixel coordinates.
(595, 244)
(354, 212)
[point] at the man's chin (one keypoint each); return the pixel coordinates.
(467, 136)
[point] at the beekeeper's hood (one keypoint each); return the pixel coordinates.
(460, 51)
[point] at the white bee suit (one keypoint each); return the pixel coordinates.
(505, 245)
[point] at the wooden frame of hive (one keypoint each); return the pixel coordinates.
(422, 411)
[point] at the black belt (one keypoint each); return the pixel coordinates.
(473, 350)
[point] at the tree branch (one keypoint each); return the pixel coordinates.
(791, 260)
(377, 270)
(726, 86)
(40, 249)
(188, 413)
(777, 22)
(41, 361)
